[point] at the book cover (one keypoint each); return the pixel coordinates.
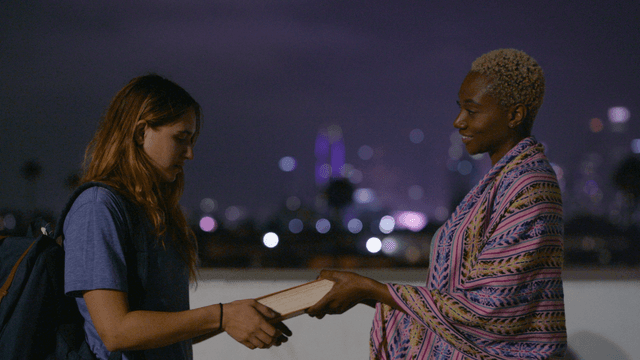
(294, 301)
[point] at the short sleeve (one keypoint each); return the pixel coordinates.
(94, 257)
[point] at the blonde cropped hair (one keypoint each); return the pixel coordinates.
(516, 79)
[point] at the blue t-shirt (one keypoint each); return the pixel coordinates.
(94, 230)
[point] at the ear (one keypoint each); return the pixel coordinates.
(138, 135)
(517, 114)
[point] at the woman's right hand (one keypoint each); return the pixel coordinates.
(247, 321)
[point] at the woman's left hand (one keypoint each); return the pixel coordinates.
(348, 290)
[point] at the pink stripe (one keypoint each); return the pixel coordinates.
(541, 337)
(529, 245)
(514, 279)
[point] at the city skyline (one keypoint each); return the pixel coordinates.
(270, 77)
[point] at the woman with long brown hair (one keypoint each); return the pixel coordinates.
(139, 304)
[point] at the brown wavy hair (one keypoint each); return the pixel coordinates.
(113, 157)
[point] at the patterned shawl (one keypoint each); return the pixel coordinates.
(494, 289)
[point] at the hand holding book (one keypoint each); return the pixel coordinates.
(294, 301)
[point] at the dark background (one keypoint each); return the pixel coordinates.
(271, 74)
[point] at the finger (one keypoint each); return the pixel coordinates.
(267, 328)
(280, 340)
(326, 274)
(248, 344)
(265, 311)
(284, 329)
(265, 339)
(317, 315)
(260, 340)
(320, 305)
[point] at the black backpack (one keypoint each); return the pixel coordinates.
(38, 321)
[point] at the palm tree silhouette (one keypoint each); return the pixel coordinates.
(31, 171)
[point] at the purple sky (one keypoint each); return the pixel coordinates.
(270, 74)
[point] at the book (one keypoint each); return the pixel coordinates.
(294, 301)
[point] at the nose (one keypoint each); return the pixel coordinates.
(459, 122)
(189, 153)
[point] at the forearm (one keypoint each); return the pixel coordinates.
(140, 330)
(378, 292)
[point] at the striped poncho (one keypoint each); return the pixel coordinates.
(494, 289)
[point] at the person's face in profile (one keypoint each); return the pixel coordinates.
(169, 146)
(483, 123)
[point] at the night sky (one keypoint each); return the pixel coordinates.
(271, 74)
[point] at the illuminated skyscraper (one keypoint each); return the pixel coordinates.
(330, 154)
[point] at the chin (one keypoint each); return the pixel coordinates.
(169, 178)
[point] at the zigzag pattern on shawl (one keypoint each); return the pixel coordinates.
(530, 321)
(459, 322)
(519, 350)
(513, 296)
(441, 251)
(399, 336)
(421, 305)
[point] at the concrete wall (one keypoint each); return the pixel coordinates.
(603, 315)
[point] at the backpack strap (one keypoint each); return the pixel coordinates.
(4, 290)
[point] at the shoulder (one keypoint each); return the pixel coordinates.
(97, 201)
(529, 166)
(529, 174)
(95, 196)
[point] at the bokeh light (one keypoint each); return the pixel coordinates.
(287, 164)
(293, 203)
(591, 163)
(374, 245)
(321, 203)
(412, 220)
(389, 245)
(354, 226)
(365, 152)
(387, 224)
(346, 169)
(9, 221)
(416, 136)
(270, 240)
(323, 226)
(592, 189)
(635, 146)
(416, 192)
(452, 165)
(208, 224)
(324, 171)
(619, 114)
(208, 205)
(441, 213)
(465, 167)
(596, 125)
(364, 196)
(233, 213)
(296, 226)
(455, 138)
(355, 176)
(455, 152)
